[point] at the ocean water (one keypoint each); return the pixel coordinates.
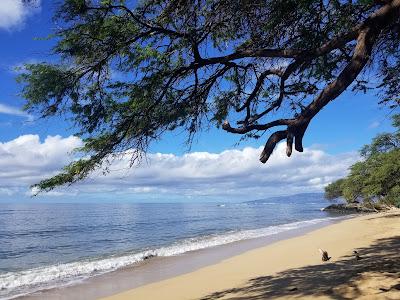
(53, 244)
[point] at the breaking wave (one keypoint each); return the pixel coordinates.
(14, 284)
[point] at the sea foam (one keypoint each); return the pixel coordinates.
(14, 284)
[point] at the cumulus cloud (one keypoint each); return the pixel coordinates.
(13, 13)
(231, 173)
(26, 159)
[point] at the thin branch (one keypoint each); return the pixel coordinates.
(367, 36)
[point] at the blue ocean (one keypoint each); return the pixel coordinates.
(51, 244)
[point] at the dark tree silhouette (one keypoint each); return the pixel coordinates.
(130, 72)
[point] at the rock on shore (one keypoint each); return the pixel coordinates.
(348, 208)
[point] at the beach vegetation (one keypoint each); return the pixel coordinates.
(376, 178)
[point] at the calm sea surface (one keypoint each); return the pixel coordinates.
(43, 245)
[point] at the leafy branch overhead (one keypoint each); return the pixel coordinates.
(130, 72)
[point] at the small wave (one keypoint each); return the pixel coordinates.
(13, 284)
(261, 203)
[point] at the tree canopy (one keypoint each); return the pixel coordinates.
(377, 177)
(128, 71)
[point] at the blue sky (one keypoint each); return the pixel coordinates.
(337, 132)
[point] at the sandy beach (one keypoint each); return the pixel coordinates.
(293, 268)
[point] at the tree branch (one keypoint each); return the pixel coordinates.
(367, 34)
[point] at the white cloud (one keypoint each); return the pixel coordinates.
(374, 124)
(26, 159)
(35, 190)
(231, 173)
(14, 111)
(8, 191)
(14, 12)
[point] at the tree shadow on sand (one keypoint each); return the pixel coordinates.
(382, 258)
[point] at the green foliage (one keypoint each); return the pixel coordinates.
(47, 86)
(384, 142)
(377, 178)
(334, 190)
(129, 71)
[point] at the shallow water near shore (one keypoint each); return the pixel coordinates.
(54, 245)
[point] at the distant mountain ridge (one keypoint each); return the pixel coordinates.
(295, 197)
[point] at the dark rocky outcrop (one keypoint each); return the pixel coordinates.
(348, 208)
(146, 257)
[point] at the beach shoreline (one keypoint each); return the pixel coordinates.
(157, 269)
(292, 268)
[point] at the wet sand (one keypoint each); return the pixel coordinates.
(162, 268)
(292, 268)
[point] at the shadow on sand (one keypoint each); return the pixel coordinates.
(383, 257)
